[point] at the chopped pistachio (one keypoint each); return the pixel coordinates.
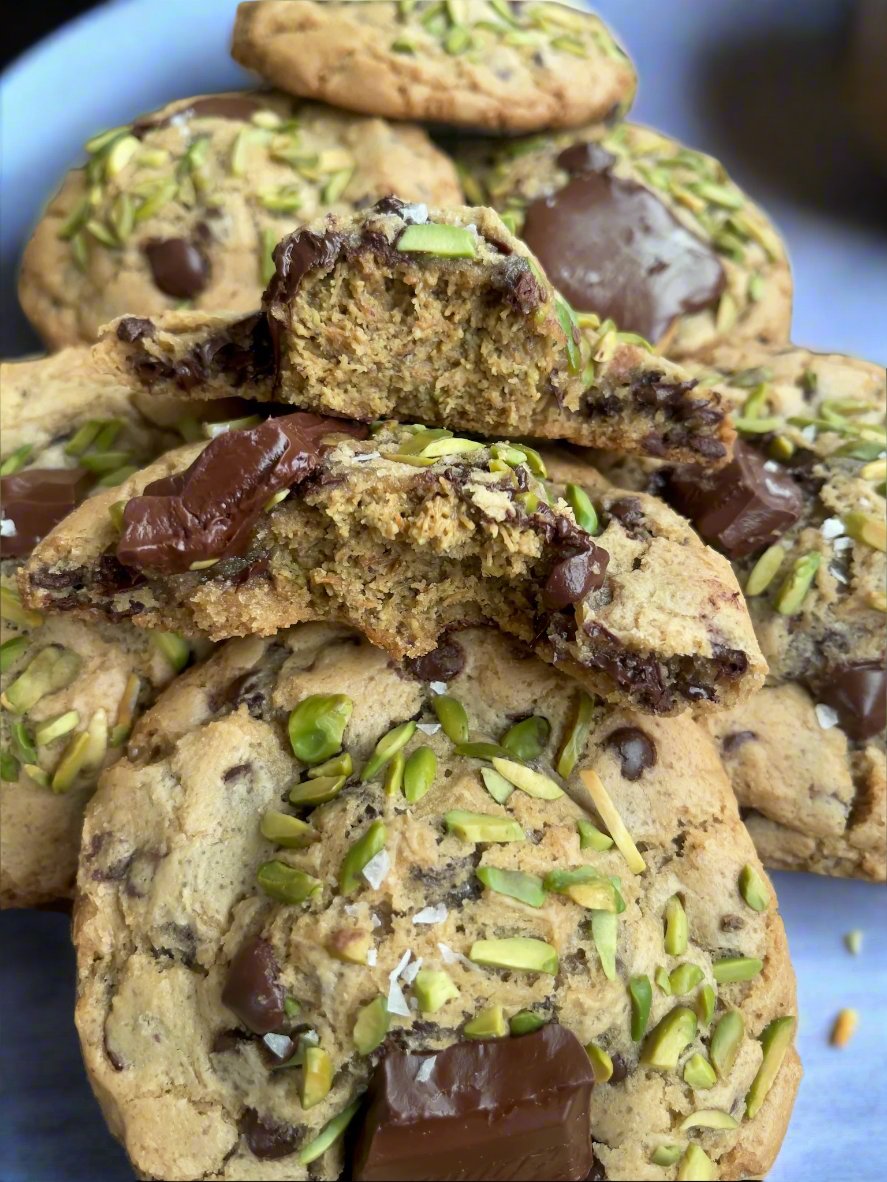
(660, 976)
(516, 952)
(526, 740)
(853, 941)
(844, 1027)
(875, 470)
(591, 838)
(386, 748)
(392, 781)
(291, 1007)
(574, 739)
(337, 765)
(605, 933)
(489, 1023)
(794, 590)
(708, 1118)
(336, 185)
(483, 827)
(585, 887)
(11, 650)
(71, 763)
(705, 1004)
(497, 786)
(8, 766)
(117, 476)
(868, 528)
(55, 728)
(699, 1073)
(525, 1022)
(583, 510)
(316, 791)
(286, 884)
(727, 313)
(365, 848)
(444, 241)
(286, 830)
(753, 888)
(666, 1155)
(328, 1135)
(481, 750)
(12, 611)
(316, 726)
(610, 816)
(24, 745)
(764, 571)
(51, 670)
(418, 773)
(317, 1076)
(37, 774)
(736, 968)
(532, 782)
(775, 1040)
(16, 460)
(726, 1039)
(282, 198)
(516, 884)
(350, 945)
(601, 1063)
(452, 717)
(641, 993)
(173, 647)
(433, 988)
(696, 1166)
(371, 1026)
(684, 978)
(668, 1039)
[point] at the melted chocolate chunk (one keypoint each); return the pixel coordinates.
(295, 257)
(209, 510)
(639, 674)
(858, 694)
(740, 508)
(629, 512)
(252, 988)
(636, 750)
(573, 577)
(508, 1108)
(179, 268)
(135, 328)
(34, 502)
(443, 664)
(731, 743)
(267, 1138)
(613, 247)
(218, 106)
(243, 353)
(520, 287)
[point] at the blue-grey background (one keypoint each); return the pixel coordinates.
(757, 83)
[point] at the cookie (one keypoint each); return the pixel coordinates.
(406, 534)
(500, 67)
(442, 318)
(642, 230)
(800, 512)
(70, 690)
(182, 207)
(247, 995)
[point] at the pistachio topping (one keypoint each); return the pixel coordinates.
(483, 827)
(171, 646)
(668, 1039)
(317, 1076)
(585, 886)
(666, 1155)
(764, 571)
(392, 781)
(452, 717)
(318, 790)
(523, 953)
(601, 1063)
(867, 528)
(532, 782)
(8, 766)
(497, 786)
(583, 510)
(481, 750)
(337, 765)
(706, 999)
(371, 1025)
(844, 1027)
(709, 1118)
(610, 816)
(24, 745)
(126, 710)
(11, 610)
(684, 978)
(641, 993)
(286, 884)
(365, 848)
(418, 773)
(528, 888)
(11, 650)
(286, 830)
(853, 941)
(726, 1039)
(696, 1166)
(16, 460)
(55, 728)
(605, 933)
(791, 595)
(350, 945)
(443, 241)
(52, 669)
(753, 888)
(677, 929)
(591, 838)
(736, 968)
(660, 977)
(386, 748)
(525, 1022)
(432, 989)
(488, 1023)
(316, 726)
(775, 1040)
(526, 740)
(699, 1073)
(329, 1135)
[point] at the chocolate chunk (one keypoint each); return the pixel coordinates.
(573, 577)
(731, 743)
(297, 255)
(252, 988)
(740, 508)
(613, 247)
(620, 1070)
(588, 157)
(135, 328)
(636, 750)
(218, 106)
(209, 510)
(858, 694)
(639, 674)
(522, 290)
(244, 352)
(508, 1108)
(179, 268)
(34, 502)
(443, 664)
(267, 1139)
(629, 512)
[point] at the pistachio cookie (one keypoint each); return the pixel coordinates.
(643, 231)
(406, 534)
(319, 872)
(440, 317)
(487, 64)
(70, 690)
(182, 207)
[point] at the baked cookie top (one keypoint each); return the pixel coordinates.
(434, 316)
(638, 228)
(406, 532)
(182, 207)
(486, 64)
(315, 861)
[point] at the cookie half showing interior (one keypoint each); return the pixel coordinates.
(69, 690)
(405, 534)
(486, 64)
(440, 317)
(327, 890)
(638, 228)
(801, 513)
(183, 205)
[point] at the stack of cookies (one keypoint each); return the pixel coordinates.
(432, 585)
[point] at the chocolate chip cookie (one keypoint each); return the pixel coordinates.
(488, 64)
(407, 533)
(438, 317)
(69, 690)
(182, 207)
(320, 872)
(642, 230)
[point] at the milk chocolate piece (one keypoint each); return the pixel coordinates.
(179, 268)
(209, 510)
(635, 748)
(34, 502)
(252, 988)
(442, 664)
(515, 1108)
(267, 1138)
(613, 247)
(858, 693)
(573, 577)
(740, 508)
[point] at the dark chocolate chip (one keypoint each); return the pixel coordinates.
(732, 923)
(442, 664)
(295, 257)
(34, 502)
(135, 328)
(731, 743)
(520, 287)
(858, 694)
(179, 268)
(636, 750)
(620, 1069)
(253, 990)
(267, 1138)
(574, 577)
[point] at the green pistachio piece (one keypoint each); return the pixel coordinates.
(71, 763)
(328, 1135)
(371, 1026)
(350, 945)
(662, 980)
(601, 1063)
(286, 884)
(516, 884)
(525, 1022)
(365, 848)
(24, 745)
(699, 1073)
(736, 968)
(117, 476)
(583, 510)
(677, 929)
(483, 827)
(605, 933)
(609, 814)
(591, 838)
(103, 462)
(392, 781)
(515, 952)
(726, 1039)
(452, 717)
(286, 830)
(418, 773)
(481, 750)
(386, 748)
(497, 786)
(668, 1039)
(585, 887)
(51, 670)
(867, 528)
(36, 773)
(335, 187)
(696, 1166)
(317, 1076)
(853, 941)
(432, 989)
(775, 1041)
(451, 447)
(173, 647)
(11, 650)
(753, 888)
(532, 782)
(16, 460)
(708, 1118)
(666, 1155)
(316, 791)
(339, 765)
(705, 1004)
(11, 610)
(8, 766)
(448, 242)
(527, 739)
(764, 571)
(793, 592)
(291, 1007)
(641, 993)
(684, 978)
(317, 725)
(488, 1023)
(83, 438)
